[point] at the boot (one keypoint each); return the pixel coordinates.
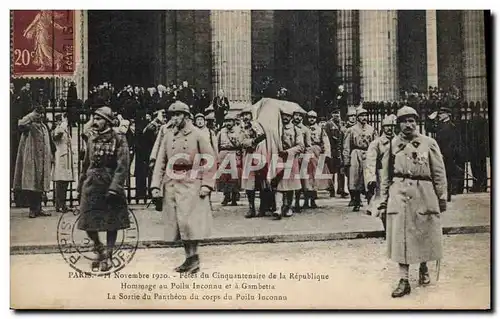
(277, 214)
(233, 199)
(264, 203)
(357, 201)
(287, 206)
(226, 199)
(423, 275)
(190, 265)
(251, 204)
(313, 196)
(313, 203)
(332, 193)
(107, 263)
(306, 200)
(100, 253)
(353, 199)
(402, 289)
(297, 207)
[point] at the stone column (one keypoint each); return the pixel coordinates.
(474, 56)
(378, 48)
(432, 52)
(347, 41)
(231, 52)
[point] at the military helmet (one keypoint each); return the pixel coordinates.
(230, 116)
(248, 109)
(389, 120)
(179, 106)
(106, 113)
(287, 111)
(406, 111)
(312, 114)
(361, 111)
(199, 115)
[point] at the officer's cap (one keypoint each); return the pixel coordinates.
(312, 114)
(179, 106)
(406, 111)
(106, 113)
(351, 111)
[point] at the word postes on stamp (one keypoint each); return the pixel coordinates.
(43, 43)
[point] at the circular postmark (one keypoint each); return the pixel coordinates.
(77, 249)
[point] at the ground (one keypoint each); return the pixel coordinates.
(359, 277)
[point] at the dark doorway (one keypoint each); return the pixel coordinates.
(121, 47)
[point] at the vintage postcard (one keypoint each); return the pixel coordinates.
(250, 159)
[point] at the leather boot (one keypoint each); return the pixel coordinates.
(353, 199)
(423, 275)
(356, 198)
(234, 199)
(190, 265)
(402, 289)
(313, 196)
(251, 203)
(226, 199)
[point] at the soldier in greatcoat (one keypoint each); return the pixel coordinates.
(413, 186)
(183, 184)
(62, 173)
(351, 121)
(306, 184)
(373, 165)
(229, 146)
(334, 129)
(101, 186)
(292, 139)
(33, 161)
(320, 147)
(357, 139)
(253, 138)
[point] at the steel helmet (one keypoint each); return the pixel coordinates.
(312, 114)
(361, 111)
(179, 106)
(406, 111)
(389, 120)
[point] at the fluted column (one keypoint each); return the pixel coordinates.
(474, 56)
(378, 48)
(348, 53)
(432, 52)
(231, 54)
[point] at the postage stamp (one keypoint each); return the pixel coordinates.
(76, 247)
(43, 43)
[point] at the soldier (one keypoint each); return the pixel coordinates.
(229, 144)
(413, 188)
(101, 187)
(351, 121)
(199, 122)
(320, 146)
(447, 139)
(292, 139)
(298, 121)
(373, 164)
(335, 132)
(252, 134)
(357, 139)
(182, 187)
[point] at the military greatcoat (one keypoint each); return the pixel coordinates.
(373, 166)
(357, 139)
(229, 146)
(319, 152)
(252, 142)
(105, 168)
(293, 144)
(187, 216)
(414, 232)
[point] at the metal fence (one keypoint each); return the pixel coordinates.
(471, 119)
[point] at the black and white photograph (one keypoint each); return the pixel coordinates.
(250, 159)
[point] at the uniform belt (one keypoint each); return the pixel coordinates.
(182, 167)
(359, 149)
(233, 148)
(415, 178)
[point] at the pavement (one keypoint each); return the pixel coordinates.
(333, 220)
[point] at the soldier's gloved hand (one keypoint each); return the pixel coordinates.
(155, 193)
(204, 191)
(371, 187)
(382, 208)
(283, 154)
(442, 205)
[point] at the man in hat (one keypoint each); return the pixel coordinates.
(62, 172)
(210, 119)
(210, 135)
(298, 121)
(252, 135)
(373, 165)
(101, 186)
(229, 145)
(357, 140)
(286, 180)
(183, 185)
(220, 104)
(447, 138)
(334, 129)
(33, 161)
(320, 147)
(413, 188)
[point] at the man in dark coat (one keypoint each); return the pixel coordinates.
(186, 94)
(101, 186)
(341, 99)
(447, 139)
(221, 108)
(479, 150)
(334, 131)
(203, 101)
